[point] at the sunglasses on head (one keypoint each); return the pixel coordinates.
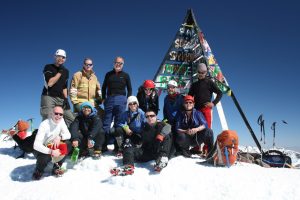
(60, 114)
(133, 103)
(151, 116)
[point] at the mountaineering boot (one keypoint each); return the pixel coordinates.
(57, 170)
(97, 154)
(123, 170)
(161, 163)
(195, 150)
(37, 175)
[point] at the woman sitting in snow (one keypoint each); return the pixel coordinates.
(87, 131)
(130, 124)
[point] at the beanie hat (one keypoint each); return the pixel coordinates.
(86, 104)
(132, 99)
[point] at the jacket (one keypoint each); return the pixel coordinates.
(138, 123)
(148, 103)
(171, 107)
(48, 130)
(89, 126)
(197, 120)
(87, 87)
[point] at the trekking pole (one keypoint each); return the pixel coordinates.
(273, 127)
(261, 123)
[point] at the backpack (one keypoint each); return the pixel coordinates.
(227, 148)
(275, 158)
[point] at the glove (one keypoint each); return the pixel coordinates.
(66, 105)
(73, 92)
(61, 70)
(160, 137)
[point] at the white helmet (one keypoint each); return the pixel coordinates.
(173, 83)
(132, 99)
(60, 52)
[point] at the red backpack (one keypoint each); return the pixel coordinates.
(227, 148)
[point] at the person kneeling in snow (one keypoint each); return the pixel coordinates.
(192, 128)
(155, 144)
(49, 143)
(87, 131)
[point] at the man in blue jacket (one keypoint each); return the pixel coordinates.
(191, 128)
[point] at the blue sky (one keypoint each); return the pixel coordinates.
(256, 44)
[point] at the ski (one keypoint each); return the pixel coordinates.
(123, 170)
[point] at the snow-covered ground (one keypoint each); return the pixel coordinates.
(182, 179)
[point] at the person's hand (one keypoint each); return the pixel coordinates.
(209, 104)
(75, 143)
(73, 92)
(90, 143)
(128, 132)
(56, 142)
(55, 153)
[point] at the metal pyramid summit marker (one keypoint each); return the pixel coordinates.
(188, 49)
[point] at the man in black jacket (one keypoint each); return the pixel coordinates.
(87, 131)
(55, 92)
(155, 144)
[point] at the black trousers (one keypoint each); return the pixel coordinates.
(205, 136)
(42, 159)
(132, 153)
(98, 139)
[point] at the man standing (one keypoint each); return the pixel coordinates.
(202, 91)
(55, 90)
(85, 86)
(114, 93)
(49, 143)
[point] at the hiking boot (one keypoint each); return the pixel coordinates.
(195, 150)
(58, 172)
(161, 163)
(186, 153)
(97, 154)
(37, 175)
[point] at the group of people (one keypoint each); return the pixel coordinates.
(130, 122)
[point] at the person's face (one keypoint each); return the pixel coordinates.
(151, 118)
(88, 65)
(171, 89)
(188, 105)
(57, 114)
(133, 106)
(201, 74)
(86, 110)
(59, 60)
(148, 91)
(118, 64)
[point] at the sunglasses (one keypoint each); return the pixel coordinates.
(151, 116)
(188, 102)
(87, 107)
(148, 89)
(119, 63)
(62, 57)
(89, 65)
(199, 72)
(134, 103)
(60, 114)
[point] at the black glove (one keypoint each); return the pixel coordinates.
(61, 70)
(66, 105)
